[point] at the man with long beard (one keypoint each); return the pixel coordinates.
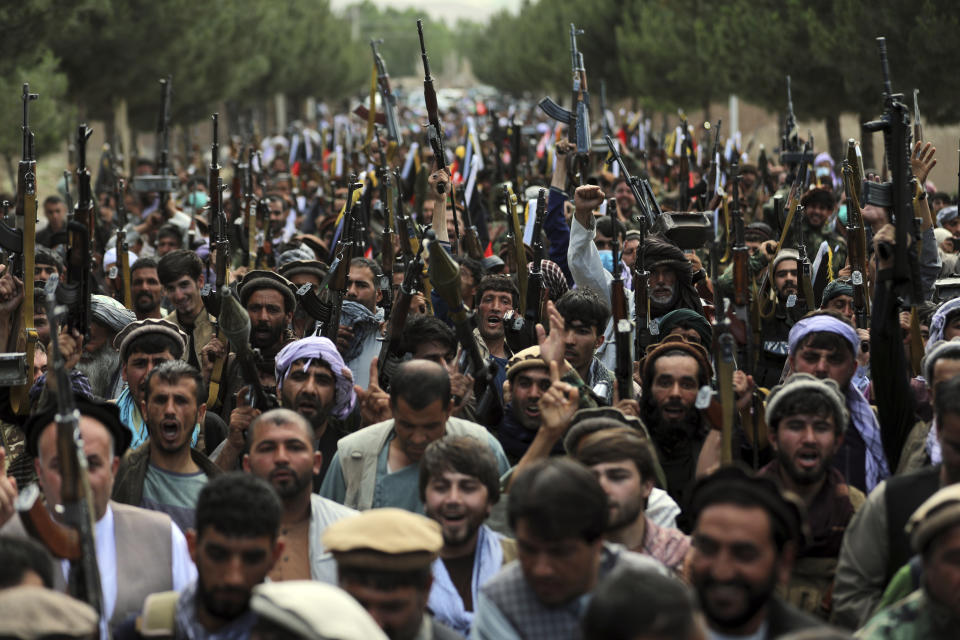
(313, 381)
(282, 452)
(459, 485)
(745, 540)
(100, 360)
(806, 419)
(673, 373)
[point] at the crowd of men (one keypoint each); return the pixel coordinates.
(488, 458)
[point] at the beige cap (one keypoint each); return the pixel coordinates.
(314, 611)
(940, 512)
(384, 539)
(35, 612)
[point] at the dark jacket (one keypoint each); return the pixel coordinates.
(784, 618)
(128, 485)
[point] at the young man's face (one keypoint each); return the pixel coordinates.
(734, 565)
(138, 365)
(629, 255)
(817, 213)
(624, 196)
(493, 304)
(56, 214)
(626, 490)
(436, 352)
(675, 387)
(842, 304)
(417, 428)
(526, 389)
(838, 365)
(268, 318)
(805, 446)
(459, 502)
(580, 342)
(171, 412)
(184, 295)
(283, 455)
(361, 287)
(229, 567)
(146, 290)
(785, 278)
(558, 571)
(166, 244)
(43, 271)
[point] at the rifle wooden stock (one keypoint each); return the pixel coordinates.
(61, 541)
(857, 250)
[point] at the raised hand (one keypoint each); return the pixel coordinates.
(922, 161)
(374, 402)
(552, 345)
(558, 404)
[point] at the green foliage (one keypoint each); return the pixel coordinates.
(49, 119)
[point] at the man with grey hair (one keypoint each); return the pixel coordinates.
(100, 360)
(282, 452)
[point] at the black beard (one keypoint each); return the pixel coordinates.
(672, 436)
(757, 598)
(208, 599)
(145, 303)
(276, 333)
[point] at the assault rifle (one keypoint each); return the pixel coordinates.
(622, 325)
(163, 181)
(895, 126)
(123, 257)
(71, 536)
(387, 98)
(857, 246)
(234, 323)
(220, 254)
(578, 118)
(520, 332)
(445, 273)
(345, 252)
(16, 369)
(76, 294)
(640, 189)
(804, 276)
(398, 319)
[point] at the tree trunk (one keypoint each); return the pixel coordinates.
(866, 146)
(835, 145)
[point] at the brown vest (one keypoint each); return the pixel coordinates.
(144, 556)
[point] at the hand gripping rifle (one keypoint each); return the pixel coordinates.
(220, 253)
(16, 369)
(445, 274)
(622, 325)
(234, 323)
(895, 125)
(71, 536)
(520, 332)
(577, 119)
(398, 319)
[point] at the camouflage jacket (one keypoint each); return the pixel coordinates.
(916, 616)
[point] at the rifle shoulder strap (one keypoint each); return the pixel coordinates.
(158, 617)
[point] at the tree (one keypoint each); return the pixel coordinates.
(50, 115)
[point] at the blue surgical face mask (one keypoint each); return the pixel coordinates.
(606, 257)
(823, 172)
(197, 200)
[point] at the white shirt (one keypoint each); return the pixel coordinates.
(183, 571)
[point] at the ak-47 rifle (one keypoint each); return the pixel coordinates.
(435, 134)
(123, 257)
(741, 254)
(398, 319)
(622, 325)
(515, 244)
(387, 256)
(917, 126)
(265, 256)
(249, 209)
(641, 192)
(577, 119)
(315, 303)
(895, 125)
(163, 181)
(520, 332)
(71, 535)
(344, 253)
(683, 192)
(857, 245)
(445, 274)
(714, 170)
(496, 135)
(388, 99)
(220, 254)
(76, 294)
(16, 369)
(804, 276)
(409, 241)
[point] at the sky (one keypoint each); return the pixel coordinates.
(448, 10)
